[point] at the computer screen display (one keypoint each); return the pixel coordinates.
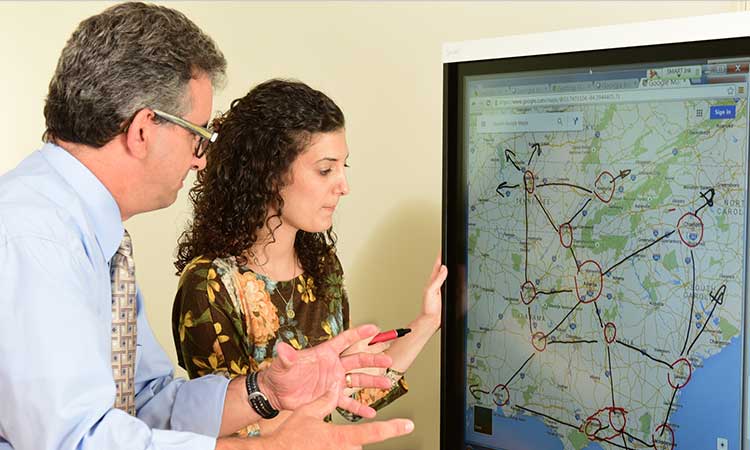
(596, 233)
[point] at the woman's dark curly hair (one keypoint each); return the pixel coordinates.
(259, 138)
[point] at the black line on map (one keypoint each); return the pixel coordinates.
(624, 442)
(643, 352)
(474, 388)
(530, 330)
(718, 299)
(546, 213)
(554, 292)
(636, 439)
(574, 257)
(566, 184)
(526, 212)
(638, 251)
(580, 341)
(579, 211)
(519, 369)
(611, 383)
(596, 308)
(692, 305)
(669, 411)
(545, 415)
(564, 319)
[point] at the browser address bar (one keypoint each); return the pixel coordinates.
(513, 123)
(635, 95)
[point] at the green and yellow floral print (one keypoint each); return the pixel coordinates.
(227, 319)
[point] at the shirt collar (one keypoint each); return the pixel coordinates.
(100, 206)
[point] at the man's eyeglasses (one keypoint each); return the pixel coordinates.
(205, 135)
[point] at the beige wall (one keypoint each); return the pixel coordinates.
(381, 61)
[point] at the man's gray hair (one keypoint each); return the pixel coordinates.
(129, 57)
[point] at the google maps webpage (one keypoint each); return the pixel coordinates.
(606, 258)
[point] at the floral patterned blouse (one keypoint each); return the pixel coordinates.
(227, 319)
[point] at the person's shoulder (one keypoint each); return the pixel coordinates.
(27, 213)
(204, 268)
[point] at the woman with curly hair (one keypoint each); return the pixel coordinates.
(258, 262)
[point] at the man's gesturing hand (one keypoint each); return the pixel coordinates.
(296, 377)
(306, 429)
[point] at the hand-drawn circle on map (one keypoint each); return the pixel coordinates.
(528, 181)
(667, 444)
(565, 231)
(591, 427)
(539, 341)
(690, 225)
(618, 412)
(610, 332)
(674, 367)
(606, 182)
(500, 397)
(589, 278)
(528, 292)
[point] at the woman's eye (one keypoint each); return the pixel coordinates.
(325, 172)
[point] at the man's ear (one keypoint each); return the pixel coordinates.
(141, 129)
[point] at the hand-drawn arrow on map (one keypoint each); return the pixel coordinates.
(504, 185)
(622, 175)
(708, 196)
(536, 148)
(508, 158)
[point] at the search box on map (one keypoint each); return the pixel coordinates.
(512, 123)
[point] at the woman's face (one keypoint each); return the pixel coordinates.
(317, 180)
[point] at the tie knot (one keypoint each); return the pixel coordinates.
(126, 246)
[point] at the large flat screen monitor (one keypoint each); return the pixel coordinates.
(595, 229)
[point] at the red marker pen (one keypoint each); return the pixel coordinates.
(389, 335)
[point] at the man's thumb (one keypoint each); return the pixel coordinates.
(286, 354)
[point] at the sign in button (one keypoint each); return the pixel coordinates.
(723, 112)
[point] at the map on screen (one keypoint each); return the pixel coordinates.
(606, 257)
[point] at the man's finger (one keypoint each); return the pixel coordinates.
(350, 336)
(364, 360)
(369, 433)
(380, 347)
(355, 407)
(323, 405)
(364, 380)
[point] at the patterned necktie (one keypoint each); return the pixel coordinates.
(122, 275)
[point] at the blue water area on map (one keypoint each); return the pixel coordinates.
(522, 433)
(710, 409)
(711, 402)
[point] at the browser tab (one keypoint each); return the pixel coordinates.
(629, 83)
(674, 73)
(530, 89)
(659, 83)
(573, 86)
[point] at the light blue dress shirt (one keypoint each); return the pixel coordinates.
(59, 227)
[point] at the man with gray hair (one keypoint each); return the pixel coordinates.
(126, 118)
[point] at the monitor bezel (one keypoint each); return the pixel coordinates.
(454, 220)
